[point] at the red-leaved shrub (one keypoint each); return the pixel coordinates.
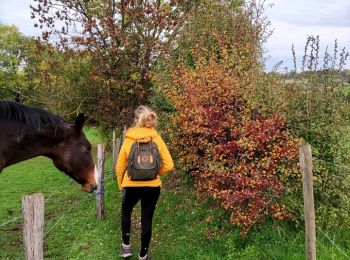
(236, 155)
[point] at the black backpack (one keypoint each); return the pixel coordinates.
(144, 161)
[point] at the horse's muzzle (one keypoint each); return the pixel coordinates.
(89, 187)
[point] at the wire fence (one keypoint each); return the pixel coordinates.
(347, 168)
(83, 226)
(109, 165)
(325, 235)
(333, 164)
(77, 203)
(320, 230)
(343, 205)
(301, 216)
(10, 221)
(59, 188)
(333, 243)
(49, 197)
(108, 170)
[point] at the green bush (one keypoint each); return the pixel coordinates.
(315, 101)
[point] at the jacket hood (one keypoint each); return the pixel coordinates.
(142, 134)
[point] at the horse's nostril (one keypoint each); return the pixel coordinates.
(93, 187)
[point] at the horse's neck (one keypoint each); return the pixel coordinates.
(34, 149)
(29, 146)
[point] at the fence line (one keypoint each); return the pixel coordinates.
(67, 211)
(80, 233)
(100, 185)
(322, 232)
(34, 218)
(334, 164)
(79, 202)
(100, 161)
(33, 226)
(57, 189)
(116, 142)
(305, 157)
(116, 146)
(10, 221)
(46, 200)
(336, 246)
(318, 228)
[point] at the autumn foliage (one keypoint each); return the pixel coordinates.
(121, 38)
(236, 155)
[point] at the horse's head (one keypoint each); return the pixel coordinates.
(73, 156)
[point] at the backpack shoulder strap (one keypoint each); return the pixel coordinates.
(123, 176)
(129, 158)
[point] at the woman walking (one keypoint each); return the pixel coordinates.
(142, 152)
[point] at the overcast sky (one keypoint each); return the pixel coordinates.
(292, 21)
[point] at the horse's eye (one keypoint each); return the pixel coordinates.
(88, 148)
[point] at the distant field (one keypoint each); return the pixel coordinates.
(183, 228)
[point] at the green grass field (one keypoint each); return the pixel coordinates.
(183, 228)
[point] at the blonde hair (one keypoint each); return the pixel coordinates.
(145, 117)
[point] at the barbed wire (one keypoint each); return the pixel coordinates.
(57, 189)
(46, 200)
(336, 246)
(325, 235)
(10, 221)
(106, 156)
(65, 213)
(80, 234)
(109, 153)
(334, 164)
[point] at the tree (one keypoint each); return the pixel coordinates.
(13, 60)
(63, 80)
(123, 39)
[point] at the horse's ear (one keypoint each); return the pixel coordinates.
(79, 123)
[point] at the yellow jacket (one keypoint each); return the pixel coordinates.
(145, 134)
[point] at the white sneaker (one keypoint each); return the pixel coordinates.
(125, 251)
(146, 257)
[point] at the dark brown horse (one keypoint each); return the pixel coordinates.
(27, 132)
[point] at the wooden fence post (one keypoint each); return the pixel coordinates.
(117, 143)
(305, 158)
(100, 185)
(117, 149)
(33, 218)
(123, 136)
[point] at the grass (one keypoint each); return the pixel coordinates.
(183, 228)
(94, 135)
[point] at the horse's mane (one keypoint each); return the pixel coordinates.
(29, 117)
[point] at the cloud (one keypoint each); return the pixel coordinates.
(311, 12)
(293, 21)
(18, 13)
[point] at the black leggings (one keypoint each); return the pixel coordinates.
(149, 197)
